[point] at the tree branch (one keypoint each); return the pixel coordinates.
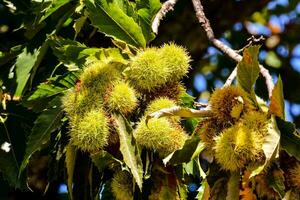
(225, 49)
(165, 8)
(181, 112)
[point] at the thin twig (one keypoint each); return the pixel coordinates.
(225, 49)
(165, 8)
(251, 41)
(180, 111)
(200, 105)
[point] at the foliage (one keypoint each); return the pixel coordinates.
(113, 118)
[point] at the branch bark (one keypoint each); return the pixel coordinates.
(225, 49)
(165, 8)
(180, 111)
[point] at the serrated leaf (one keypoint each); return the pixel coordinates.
(75, 55)
(66, 81)
(233, 186)
(54, 86)
(129, 149)
(70, 166)
(26, 65)
(54, 6)
(186, 100)
(270, 146)
(248, 70)
(48, 121)
(290, 138)
(111, 19)
(103, 159)
(45, 90)
(67, 52)
(191, 148)
(277, 100)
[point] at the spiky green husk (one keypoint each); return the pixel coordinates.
(208, 129)
(294, 174)
(159, 103)
(97, 76)
(69, 102)
(172, 91)
(176, 60)
(237, 146)
(90, 133)
(122, 186)
(78, 103)
(257, 121)
(160, 135)
(229, 103)
(147, 71)
(122, 98)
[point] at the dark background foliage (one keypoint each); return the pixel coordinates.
(24, 25)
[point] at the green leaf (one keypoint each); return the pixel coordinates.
(54, 6)
(147, 9)
(54, 86)
(191, 148)
(70, 166)
(277, 100)
(186, 100)
(129, 149)
(270, 146)
(112, 19)
(103, 159)
(194, 168)
(26, 66)
(67, 52)
(48, 121)
(45, 90)
(248, 70)
(75, 55)
(203, 191)
(66, 81)
(233, 186)
(79, 24)
(182, 191)
(290, 138)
